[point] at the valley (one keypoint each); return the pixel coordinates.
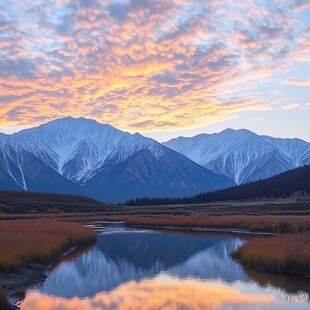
(285, 221)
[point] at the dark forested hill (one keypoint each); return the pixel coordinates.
(29, 202)
(282, 185)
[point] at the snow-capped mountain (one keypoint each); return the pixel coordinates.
(243, 155)
(83, 156)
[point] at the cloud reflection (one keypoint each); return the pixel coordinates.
(168, 293)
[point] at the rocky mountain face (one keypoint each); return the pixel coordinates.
(81, 156)
(242, 155)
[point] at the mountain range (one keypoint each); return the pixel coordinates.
(242, 155)
(81, 156)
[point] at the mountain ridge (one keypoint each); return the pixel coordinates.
(243, 155)
(85, 157)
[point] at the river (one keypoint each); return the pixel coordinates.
(144, 269)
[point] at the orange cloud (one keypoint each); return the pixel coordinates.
(292, 106)
(302, 82)
(143, 65)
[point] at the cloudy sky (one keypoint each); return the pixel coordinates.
(163, 68)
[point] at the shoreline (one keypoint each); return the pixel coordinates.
(286, 254)
(30, 248)
(33, 273)
(237, 254)
(16, 283)
(240, 231)
(251, 236)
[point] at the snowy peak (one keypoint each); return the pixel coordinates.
(70, 146)
(243, 155)
(85, 157)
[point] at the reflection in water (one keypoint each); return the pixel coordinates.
(149, 270)
(168, 293)
(296, 288)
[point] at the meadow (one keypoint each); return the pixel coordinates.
(24, 241)
(267, 223)
(289, 253)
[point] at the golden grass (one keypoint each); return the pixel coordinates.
(270, 223)
(286, 252)
(280, 253)
(24, 241)
(267, 223)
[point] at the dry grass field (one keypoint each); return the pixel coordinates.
(286, 252)
(266, 223)
(289, 253)
(23, 241)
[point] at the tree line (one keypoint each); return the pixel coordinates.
(283, 185)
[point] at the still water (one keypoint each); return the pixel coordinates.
(137, 269)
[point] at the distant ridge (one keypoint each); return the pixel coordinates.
(242, 155)
(30, 202)
(282, 185)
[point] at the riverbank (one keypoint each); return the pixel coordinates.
(29, 246)
(272, 223)
(286, 249)
(206, 229)
(283, 253)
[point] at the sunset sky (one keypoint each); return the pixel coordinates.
(163, 68)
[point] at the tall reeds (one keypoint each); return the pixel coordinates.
(23, 241)
(270, 223)
(280, 253)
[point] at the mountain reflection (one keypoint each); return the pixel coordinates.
(131, 269)
(125, 256)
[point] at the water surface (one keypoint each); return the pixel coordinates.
(136, 269)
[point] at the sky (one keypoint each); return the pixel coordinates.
(162, 68)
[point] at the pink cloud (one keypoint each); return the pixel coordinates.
(160, 64)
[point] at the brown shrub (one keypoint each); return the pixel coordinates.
(53, 211)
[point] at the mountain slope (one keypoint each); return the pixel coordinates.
(22, 170)
(242, 155)
(144, 174)
(69, 146)
(283, 185)
(81, 156)
(7, 182)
